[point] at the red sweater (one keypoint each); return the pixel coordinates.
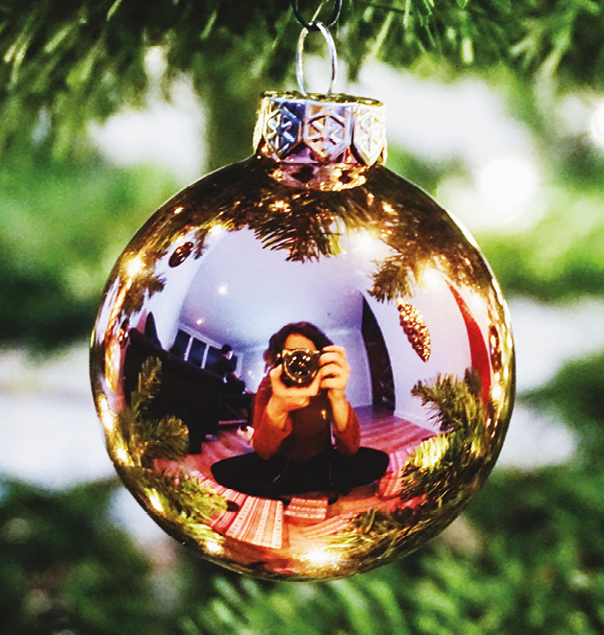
(307, 431)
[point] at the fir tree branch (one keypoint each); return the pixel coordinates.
(82, 60)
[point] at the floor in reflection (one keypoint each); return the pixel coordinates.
(380, 430)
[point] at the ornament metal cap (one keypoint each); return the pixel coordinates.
(321, 129)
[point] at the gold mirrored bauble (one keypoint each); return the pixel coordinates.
(408, 411)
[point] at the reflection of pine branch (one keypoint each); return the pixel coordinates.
(438, 248)
(444, 471)
(380, 536)
(183, 504)
(445, 467)
(186, 494)
(300, 221)
(148, 439)
(147, 387)
(306, 234)
(199, 239)
(454, 404)
(307, 223)
(395, 278)
(166, 438)
(143, 287)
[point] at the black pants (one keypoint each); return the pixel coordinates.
(329, 471)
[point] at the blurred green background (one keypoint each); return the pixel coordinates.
(108, 107)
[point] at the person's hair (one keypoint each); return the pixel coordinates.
(225, 349)
(277, 341)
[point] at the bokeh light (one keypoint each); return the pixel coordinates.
(508, 184)
(597, 125)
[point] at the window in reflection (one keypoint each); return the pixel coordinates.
(182, 342)
(196, 352)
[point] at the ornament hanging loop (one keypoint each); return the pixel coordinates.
(300, 56)
(312, 26)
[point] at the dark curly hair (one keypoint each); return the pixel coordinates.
(277, 341)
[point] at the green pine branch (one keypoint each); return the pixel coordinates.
(146, 438)
(454, 405)
(183, 505)
(64, 64)
(441, 475)
(185, 502)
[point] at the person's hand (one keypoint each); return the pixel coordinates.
(287, 398)
(334, 372)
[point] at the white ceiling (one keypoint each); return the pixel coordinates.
(244, 293)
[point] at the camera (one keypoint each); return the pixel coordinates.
(300, 366)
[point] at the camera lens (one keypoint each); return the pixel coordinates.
(300, 366)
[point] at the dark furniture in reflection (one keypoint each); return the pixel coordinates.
(233, 407)
(187, 392)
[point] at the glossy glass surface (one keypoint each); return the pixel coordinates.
(422, 343)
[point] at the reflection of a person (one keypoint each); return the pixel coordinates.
(293, 427)
(233, 397)
(224, 366)
(296, 422)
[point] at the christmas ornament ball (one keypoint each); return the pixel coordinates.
(303, 365)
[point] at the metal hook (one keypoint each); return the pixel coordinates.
(319, 26)
(313, 26)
